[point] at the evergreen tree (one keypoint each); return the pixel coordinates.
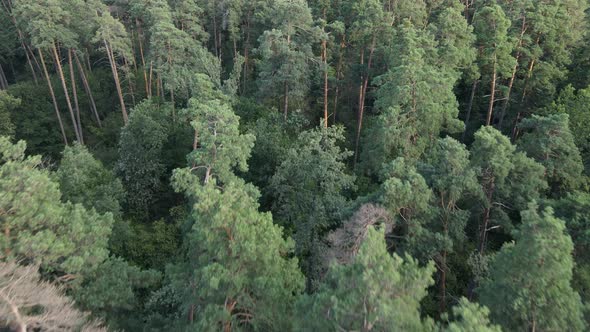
(309, 188)
(64, 238)
(375, 291)
(84, 180)
(549, 141)
(529, 283)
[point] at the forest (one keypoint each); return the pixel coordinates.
(295, 165)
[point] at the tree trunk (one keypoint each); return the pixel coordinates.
(75, 94)
(117, 81)
(492, 94)
(21, 38)
(87, 89)
(469, 108)
(66, 93)
(51, 92)
(486, 217)
(443, 282)
(362, 97)
(246, 53)
(3, 80)
(151, 78)
(286, 101)
(338, 74)
(129, 81)
(325, 59)
(512, 78)
(148, 92)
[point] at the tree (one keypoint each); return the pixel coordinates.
(140, 148)
(84, 180)
(285, 53)
(113, 37)
(375, 291)
(235, 271)
(21, 290)
(309, 189)
(549, 141)
(63, 238)
(529, 283)
(491, 28)
(575, 105)
(451, 178)
(469, 317)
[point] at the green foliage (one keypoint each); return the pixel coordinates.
(7, 106)
(140, 166)
(84, 180)
(549, 141)
(469, 316)
(113, 290)
(575, 105)
(309, 187)
(62, 237)
(529, 282)
(236, 270)
(375, 291)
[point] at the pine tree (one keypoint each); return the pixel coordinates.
(529, 283)
(375, 291)
(64, 238)
(550, 142)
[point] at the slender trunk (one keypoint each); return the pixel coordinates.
(529, 75)
(21, 38)
(52, 93)
(469, 108)
(286, 101)
(66, 93)
(492, 94)
(512, 78)
(75, 94)
(129, 81)
(246, 53)
(87, 57)
(87, 89)
(161, 86)
(360, 107)
(486, 217)
(515, 130)
(148, 92)
(3, 80)
(364, 86)
(151, 78)
(338, 74)
(215, 42)
(443, 282)
(325, 59)
(117, 81)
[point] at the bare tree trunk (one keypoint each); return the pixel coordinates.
(129, 81)
(87, 89)
(492, 94)
(66, 93)
(3, 80)
(75, 93)
(286, 101)
(338, 74)
(469, 108)
(51, 92)
(362, 98)
(148, 92)
(7, 6)
(151, 77)
(325, 59)
(443, 282)
(512, 78)
(246, 53)
(117, 81)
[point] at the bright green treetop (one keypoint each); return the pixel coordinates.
(376, 291)
(529, 283)
(37, 226)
